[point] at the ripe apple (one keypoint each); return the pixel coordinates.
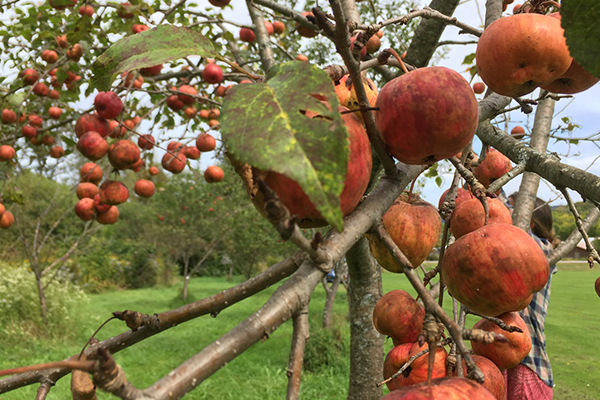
(213, 174)
(461, 195)
(61, 41)
(108, 217)
(394, 360)
(219, 3)
(86, 189)
(57, 152)
(85, 209)
(347, 94)
(492, 167)
(122, 154)
(100, 206)
(108, 105)
(35, 120)
(355, 183)
(278, 27)
(191, 152)
(75, 52)
(373, 44)
(116, 131)
(174, 162)
(174, 103)
(597, 286)
(7, 152)
(151, 71)
(304, 31)
(122, 10)
(206, 142)
(8, 116)
(470, 216)
(495, 269)
(509, 354)
(398, 316)
(6, 220)
(414, 225)
(493, 378)
(113, 193)
(146, 142)
(90, 172)
(301, 57)
(187, 98)
(47, 140)
(212, 74)
(86, 10)
(518, 132)
(417, 372)
(40, 89)
(269, 28)
(247, 35)
(518, 53)
(62, 5)
(54, 94)
(153, 171)
(144, 188)
(363, 51)
(137, 28)
(92, 122)
(453, 388)
(426, 115)
(49, 56)
(92, 146)
(189, 112)
(29, 131)
(54, 112)
(30, 76)
(479, 87)
(174, 145)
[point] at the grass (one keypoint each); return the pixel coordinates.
(573, 329)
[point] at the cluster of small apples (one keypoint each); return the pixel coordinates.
(276, 27)
(519, 53)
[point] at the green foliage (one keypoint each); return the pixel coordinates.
(20, 316)
(327, 348)
(147, 49)
(579, 20)
(267, 126)
(564, 222)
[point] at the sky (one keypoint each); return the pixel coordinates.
(583, 108)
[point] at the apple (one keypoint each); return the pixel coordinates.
(278, 27)
(301, 57)
(2, 209)
(49, 56)
(215, 113)
(518, 132)
(40, 89)
(7, 152)
(86, 10)
(122, 10)
(61, 41)
(122, 154)
(175, 146)
(355, 182)
(47, 140)
(461, 195)
(29, 131)
(478, 87)
(219, 3)
(191, 152)
(113, 193)
(75, 52)
(373, 44)
(269, 28)
(35, 120)
(57, 152)
(418, 369)
(108, 217)
(174, 103)
(6, 220)
(414, 225)
(85, 209)
(189, 112)
(518, 53)
(220, 91)
(213, 174)
(86, 189)
(394, 360)
(509, 354)
(137, 28)
(363, 51)
(62, 4)
(304, 31)
(188, 97)
(144, 188)
(212, 74)
(128, 79)
(174, 163)
(92, 145)
(8, 116)
(116, 131)
(90, 172)
(206, 142)
(347, 94)
(397, 315)
(146, 142)
(100, 206)
(92, 122)
(492, 167)
(203, 114)
(30, 76)
(470, 216)
(108, 105)
(153, 171)
(151, 71)
(247, 35)
(495, 269)
(426, 115)
(137, 166)
(493, 378)
(54, 94)
(449, 388)
(597, 286)
(54, 112)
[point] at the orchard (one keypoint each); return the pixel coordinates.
(331, 117)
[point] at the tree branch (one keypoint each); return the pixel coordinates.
(262, 37)
(566, 246)
(299, 339)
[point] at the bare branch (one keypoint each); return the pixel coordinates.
(299, 338)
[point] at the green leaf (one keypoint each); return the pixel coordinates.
(438, 181)
(469, 59)
(147, 49)
(80, 30)
(579, 19)
(264, 125)
(15, 195)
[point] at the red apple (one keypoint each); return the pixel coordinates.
(398, 316)
(6, 220)
(174, 103)
(470, 216)
(453, 388)
(518, 53)
(153, 171)
(54, 112)
(108, 217)
(151, 71)
(518, 132)
(373, 44)
(86, 189)
(137, 28)
(174, 162)
(85, 209)
(122, 154)
(113, 193)
(108, 105)
(206, 142)
(30, 76)
(100, 206)
(492, 167)
(461, 195)
(92, 122)
(597, 286)
(478, 88)
(495, 269)
(86, 10)
(414, 225)
(41, 89)
(54, 94)
(191, 152)
(122, 10)
(29, 131)
(8, 116)
(427, 115)
(188, 97)
(278, 27)
(49, 56)
(212, 74)
(493, 378)
(417, 372)
(304, 31)
(57, 152)
(90, 172)
(92, 146)
(213, 174)
(146, 142)
(144, 188)
(75, 52)
(7, 153)
(219, 3)
(247, 35)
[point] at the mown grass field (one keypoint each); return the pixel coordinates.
(573, 334)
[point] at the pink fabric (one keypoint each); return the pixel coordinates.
(524, 384)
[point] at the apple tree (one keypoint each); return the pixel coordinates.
(314, 145)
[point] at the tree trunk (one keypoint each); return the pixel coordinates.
(366, 344)
(42, 297)
(186, 279)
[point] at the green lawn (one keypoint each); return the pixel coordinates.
(573, 332)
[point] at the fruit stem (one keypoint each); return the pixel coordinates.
(393, 52)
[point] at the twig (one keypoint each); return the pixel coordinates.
(507, 177)
(497, 321)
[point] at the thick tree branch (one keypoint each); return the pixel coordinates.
(299, 338)
(262, 37)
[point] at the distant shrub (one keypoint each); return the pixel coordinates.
(142, 270)
(20, 310)
(326, 348)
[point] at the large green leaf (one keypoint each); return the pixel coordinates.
(147, 49)
(579, 19)
(264, 125)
